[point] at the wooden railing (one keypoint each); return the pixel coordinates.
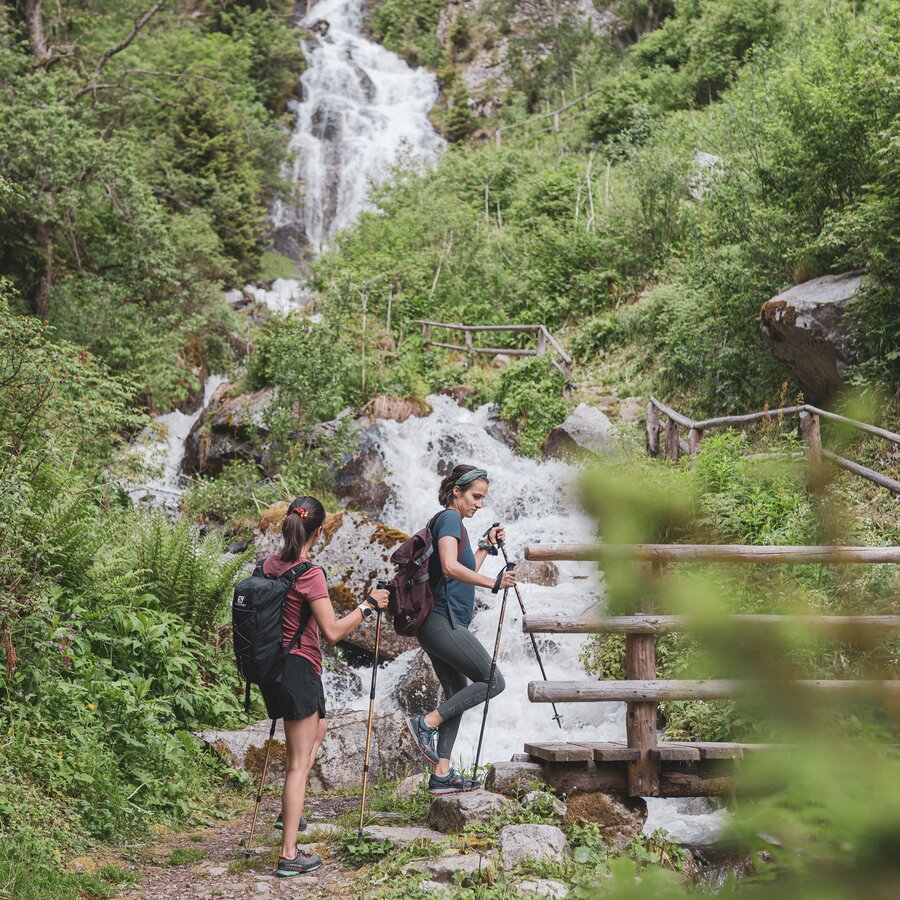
(672, 446)
(647, 762)
(545, 341)
(552, 114)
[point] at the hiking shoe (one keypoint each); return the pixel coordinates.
(301, 864)
(424, 736)
(279, 823)
(451, 783)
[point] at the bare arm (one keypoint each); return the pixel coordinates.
(452, 568)
(335, 629)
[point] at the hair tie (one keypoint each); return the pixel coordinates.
(301, 511)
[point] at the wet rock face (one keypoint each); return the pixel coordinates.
(461, 393)
(534, 572)
(226, 431)
(805, 328)
(419, 691)
(621, 818)
(359, 480)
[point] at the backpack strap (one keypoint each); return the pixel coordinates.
(305, 610)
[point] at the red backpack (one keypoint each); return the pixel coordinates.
(412, 598)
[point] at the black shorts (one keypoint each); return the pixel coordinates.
(298, 694)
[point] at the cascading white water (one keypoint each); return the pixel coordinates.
(536, 501)
(362, 108)
(161, 448)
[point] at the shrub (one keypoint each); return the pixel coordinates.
(530, 396)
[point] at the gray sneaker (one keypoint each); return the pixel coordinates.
(279, 823)
(301, 864)
(425, 737)
(451, 783)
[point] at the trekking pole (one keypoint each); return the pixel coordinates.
(540, 662)
(362, 805)
(493, 669)
(262, 783)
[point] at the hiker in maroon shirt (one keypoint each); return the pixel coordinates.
(298, 697)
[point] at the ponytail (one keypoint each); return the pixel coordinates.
(304, 516)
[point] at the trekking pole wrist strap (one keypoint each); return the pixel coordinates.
(496, 588)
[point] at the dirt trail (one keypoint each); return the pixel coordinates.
(210, 863)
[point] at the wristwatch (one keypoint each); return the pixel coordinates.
(485, 544)
(366, 608)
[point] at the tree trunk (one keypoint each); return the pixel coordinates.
(40, 298)
(32, 10)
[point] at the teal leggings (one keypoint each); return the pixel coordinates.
(458, 658)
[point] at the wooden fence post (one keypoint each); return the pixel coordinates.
(672, 448)
(812, 441)
(541, 342)
(556, 121)
(652, 429)
(640, 718)
(695, 435)
(426, 335)
(470, 356)
(497, 138)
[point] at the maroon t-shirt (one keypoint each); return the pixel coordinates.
(309, 586)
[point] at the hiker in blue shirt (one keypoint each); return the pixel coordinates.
(457, 655)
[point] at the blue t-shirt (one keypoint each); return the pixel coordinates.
(455, 600)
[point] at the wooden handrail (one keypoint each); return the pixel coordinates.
(658, 690)
(458, 326)
(731, 553)
(862, 426)
(548, 115)
(841, 626)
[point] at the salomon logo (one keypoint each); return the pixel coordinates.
(240, 601)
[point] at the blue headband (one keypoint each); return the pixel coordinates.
(470, 476)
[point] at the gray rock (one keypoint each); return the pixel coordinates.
(409, 787)
(338, 678)
(532, 571)
(397, 409)
(502, 431)
(419, 690)
(359, 480)
(339, 762)
(400, 837)
(805, 328)
(513, 779)
(632, 409)
(501, 360)
(452, 812)
(586, 433)
(543, 887)
(537, 842)
(443, 870)
(462, 394)
(229, 428)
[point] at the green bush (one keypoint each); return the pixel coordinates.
(530, 396)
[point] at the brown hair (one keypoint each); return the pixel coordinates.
(445, 491)
(304, 516)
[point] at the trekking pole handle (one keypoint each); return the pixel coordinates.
(496, 588)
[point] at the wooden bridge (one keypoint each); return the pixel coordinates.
(642, 765)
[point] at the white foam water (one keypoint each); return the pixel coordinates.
(160, 447)
(362, 108)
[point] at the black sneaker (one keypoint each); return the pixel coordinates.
(279, 823)
(301, 864)
(424, 736)
(451, 783)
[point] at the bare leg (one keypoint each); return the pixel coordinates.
(300, 735)
(321, 728)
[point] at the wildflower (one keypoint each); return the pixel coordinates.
(91, 707)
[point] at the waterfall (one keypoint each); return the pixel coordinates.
(536, 501)
(363, 109)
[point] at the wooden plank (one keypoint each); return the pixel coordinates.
(458, 326)
(557, 346)
(748, 418)
(640, 718)
(675, 752)
(718, 749)
(845, 627)
(673, 447)
(673, 783)
(732, 553)
(588, 777)
(611, 751)
(560, 752)
(710, 689)
(506, 350)
(652, 430)
(863, 426)
(863, 471)
(684, 421)
(446, 346)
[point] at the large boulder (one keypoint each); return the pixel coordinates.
(586, 433)
(452, 812)
(355, 553)
(530, 571)
(806, 329)
(519, 843)
(621, 818)
(233, 426)
(513, 779)
(339, 762)
(419, 690)
(359, 479)
(397, 409)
